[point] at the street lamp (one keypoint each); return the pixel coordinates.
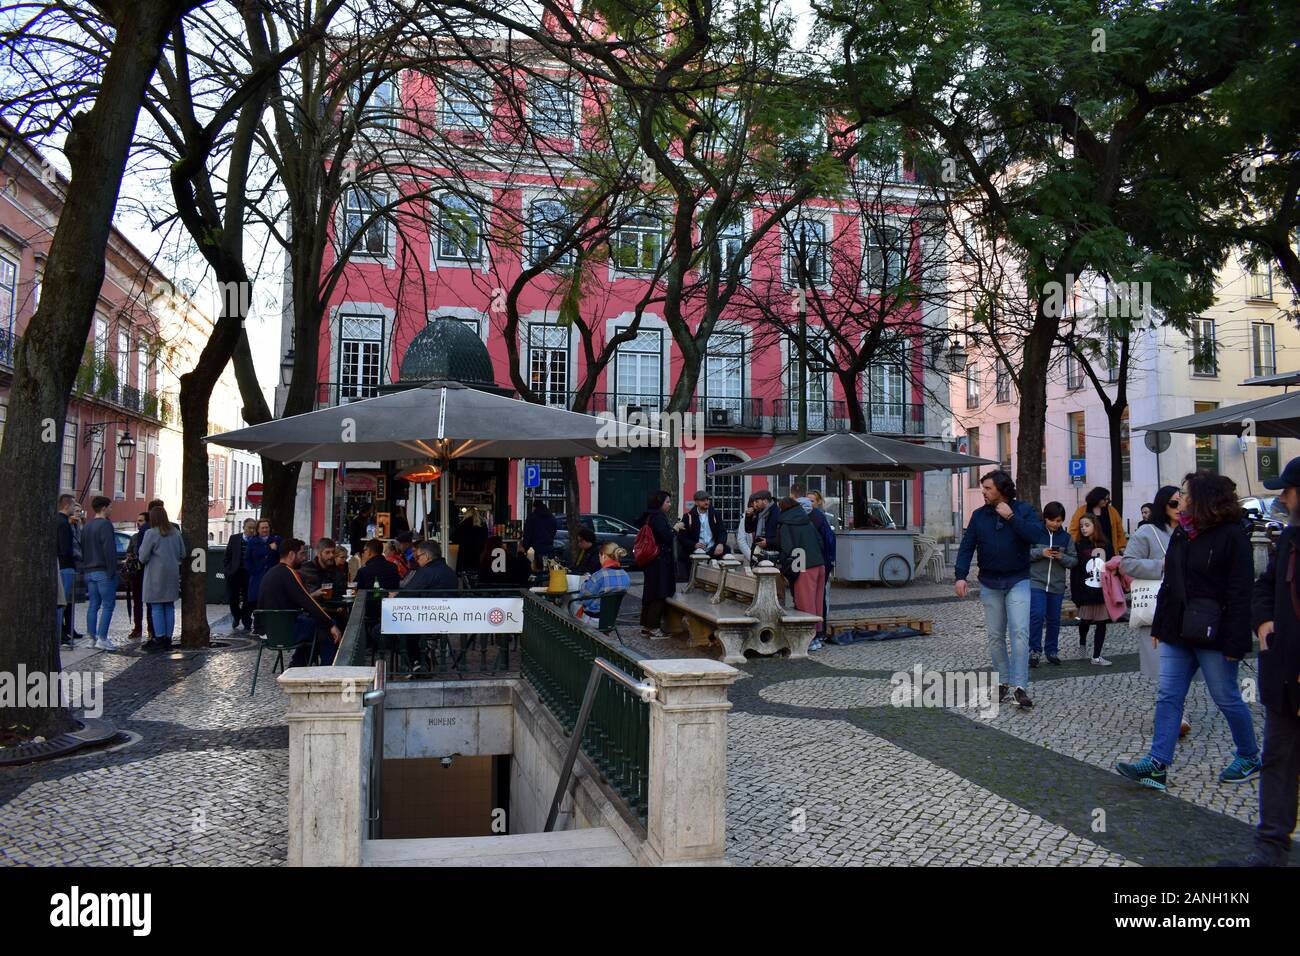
(956, 356)
(286, 369)
(125, 444)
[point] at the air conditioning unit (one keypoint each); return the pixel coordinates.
(627, 411)
(719, 417)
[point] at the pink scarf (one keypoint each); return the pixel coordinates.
(1114, 584)
(1187, 524)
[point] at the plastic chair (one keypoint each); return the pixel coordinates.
(607, 620)
(279, 632)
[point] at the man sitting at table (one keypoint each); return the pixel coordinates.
(282, 590)
(610, 579)
(432, 572)
(377, 572)
(323, 570)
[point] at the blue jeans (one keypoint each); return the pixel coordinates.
(1006, 614)
(1044, 608)
(101, 596)
(163, 616)
(1178, 666)
(69, 578)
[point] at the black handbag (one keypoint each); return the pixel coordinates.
(1201, 615)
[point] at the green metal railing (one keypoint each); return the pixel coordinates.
(557, 655)
(352, 650)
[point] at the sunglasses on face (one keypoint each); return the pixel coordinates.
(1173, 503)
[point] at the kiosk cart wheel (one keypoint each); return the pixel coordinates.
(894, 571)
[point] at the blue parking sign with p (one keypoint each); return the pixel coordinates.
(532, 476)
(1078, 469)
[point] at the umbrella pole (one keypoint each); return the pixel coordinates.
(443, 507)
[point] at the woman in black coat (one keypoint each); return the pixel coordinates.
(660, 582)
(1202, 620)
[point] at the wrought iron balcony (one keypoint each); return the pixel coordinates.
(8, 343)
(823, 416)
(722, 413)
(894, 418)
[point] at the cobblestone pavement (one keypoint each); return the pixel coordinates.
(203, 780)
(822, 767)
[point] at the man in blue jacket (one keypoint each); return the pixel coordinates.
(1002, 531)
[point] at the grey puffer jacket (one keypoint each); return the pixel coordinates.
(1047, 574)
(1144, 556)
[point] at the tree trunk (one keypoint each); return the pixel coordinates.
(194, 510)
(280, 496)
(1115, 420)
(1036, 357)
(50, 352)
(572, 503)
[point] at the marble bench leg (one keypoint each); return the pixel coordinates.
(732, 637)
(797, 637)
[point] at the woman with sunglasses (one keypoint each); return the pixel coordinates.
(1144, 559)
(1202, 620)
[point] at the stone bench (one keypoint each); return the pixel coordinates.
(738, 607)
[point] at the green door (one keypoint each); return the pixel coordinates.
(626, 482)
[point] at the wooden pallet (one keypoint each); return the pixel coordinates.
(884, 623)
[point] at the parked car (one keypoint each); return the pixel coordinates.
(607, 528)
(1266, 514)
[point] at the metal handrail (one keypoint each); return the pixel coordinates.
(599, 668)
(375, 698)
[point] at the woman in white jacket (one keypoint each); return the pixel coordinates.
(1144, 559)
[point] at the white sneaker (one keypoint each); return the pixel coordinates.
(104, 644)
(1101, 662)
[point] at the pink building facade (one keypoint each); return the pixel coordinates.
(403, 277)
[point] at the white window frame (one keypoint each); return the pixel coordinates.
(1199, 328)
(8, 293)
(361, 388)
(560, 122)
(643, 228)
(724, 373)
(446, 247)
(540, 228)
(464, 102)
(68, 457)
(879, 256)
(1256, 341)
(384, 99)
(640, 348)
(355, 214)
(546, 343)
(818, 271)
(729, 239)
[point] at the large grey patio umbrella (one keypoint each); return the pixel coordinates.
(1276, 416)
(437, 421)
(854, 456)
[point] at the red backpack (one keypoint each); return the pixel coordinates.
(645, 548)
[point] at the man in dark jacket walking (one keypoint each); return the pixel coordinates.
(1002, 531)
(1275, 618)
(241, 609)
